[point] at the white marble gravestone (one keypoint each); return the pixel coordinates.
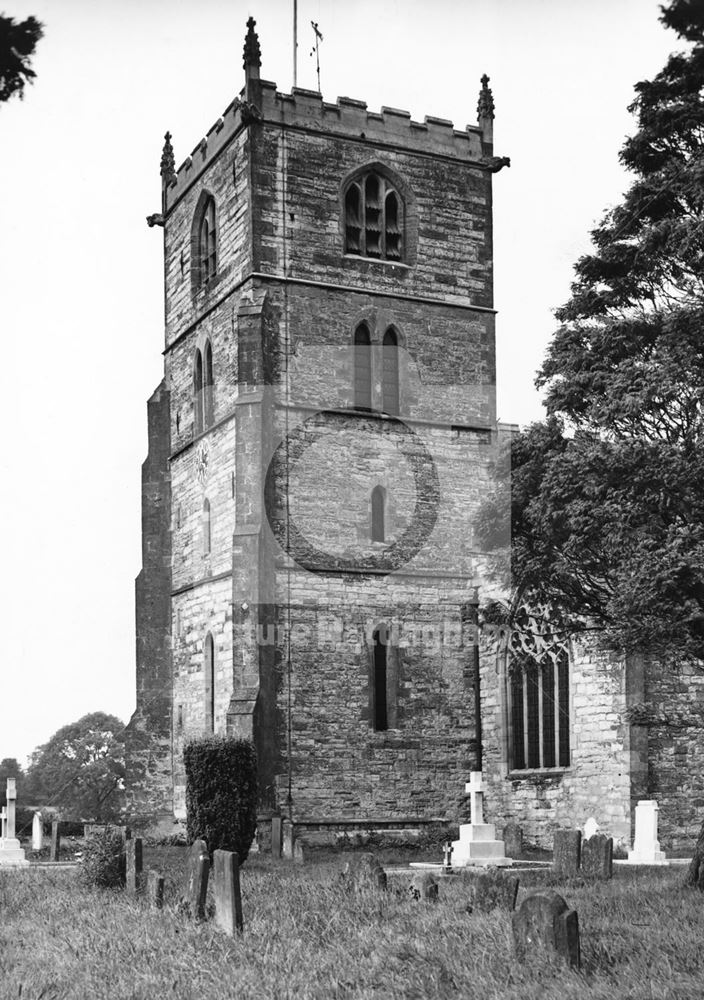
(646, 846)
(591, 827)
(37, 832)
(478, 844)
(11, 854)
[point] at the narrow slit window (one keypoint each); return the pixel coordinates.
(362, 368)
(208, 385)
(380, 713)
(198, 393)
(209, 677)
(206, 528)
(207, 242)
(390, 393)
(378, 526)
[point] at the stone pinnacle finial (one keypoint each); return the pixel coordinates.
(485, 107)
(168, 164)
(252, 52)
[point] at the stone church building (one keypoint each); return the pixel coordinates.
(318, 450)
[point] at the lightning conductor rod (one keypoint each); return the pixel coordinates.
(295, 43)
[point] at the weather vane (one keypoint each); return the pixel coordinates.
(315, 50)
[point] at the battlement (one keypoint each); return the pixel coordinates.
(306, 110)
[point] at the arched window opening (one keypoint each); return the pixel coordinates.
(389, 381)
(198, 393)
(208, 385)
(209, 677)
(206, 243)
(362, 368)
(539, 720)
(378, 503)
(380, 713)
(373, 218)
(206, 527)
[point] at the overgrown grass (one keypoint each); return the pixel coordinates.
(307, 936)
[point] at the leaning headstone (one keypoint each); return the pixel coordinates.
(133, 874)
(591, 827)
(37, 832)
(198, 870)
(155, 890)
(55, 841)
(276, 836)
(287, 839)
(493, 889)
(597, 857)
(545, 923)
(363, 871)
(566, 852)
(424, 887)
(513, 840)
(646, 846)
(298, 853)
(228, 899)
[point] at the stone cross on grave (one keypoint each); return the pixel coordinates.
(476, 801)
(11, 795)
(447, 855)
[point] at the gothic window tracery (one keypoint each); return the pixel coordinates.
(204, 264)
(379, 707)
(373, 218)
(203, 388)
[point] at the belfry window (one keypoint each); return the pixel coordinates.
(389, 380)
(204, 264)
(373, 218)
(538, 711)
(203, 389)
(209, 679)
(362, 368)
(378, 527)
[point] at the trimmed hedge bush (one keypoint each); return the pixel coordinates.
(221, 793)
(103, 861)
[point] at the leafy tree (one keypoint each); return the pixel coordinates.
(81, 769)
(18, 41)
(606, 498)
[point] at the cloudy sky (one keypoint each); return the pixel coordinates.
(81, 290)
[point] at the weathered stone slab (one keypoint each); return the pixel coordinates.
(566, 852)
(197, 872)
(424, 888)
(228, 898)
(597, 857)
(364, 871)
(133, 865)
(155, 889)
(545, 924)
(55, 841)
(287, 839)
(298, 852)
(276, 832)
(37, 832)
(513, 840)
(492, 890)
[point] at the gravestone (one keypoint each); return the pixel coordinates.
(228, 899)
(37, 832)
(133, 874)
(11, 854)
(424, 888)
(591, 827)
(545, 924)
(287, 839)
(298, 852)
(55, 841)
(646, 846)
(155, 890)
(597, 857)
(513, 840)
(492, 890)
(566, 852)
(364, 872)
(447, 856)
(276, 836)
(197, 872)
(478, 844)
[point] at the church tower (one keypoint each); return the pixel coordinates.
(318, 449)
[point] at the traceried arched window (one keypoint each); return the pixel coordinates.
(373, 218)
(203, 389)
(380, 707)
(538, 705)
(378, 525)
(389, 379)
(362, 368)
(204, 243)
(209, 681)
(206, 526)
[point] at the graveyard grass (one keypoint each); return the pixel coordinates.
(308, 936)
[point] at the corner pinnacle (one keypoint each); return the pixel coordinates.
(252, 52)
(485, 106)
(168, 164)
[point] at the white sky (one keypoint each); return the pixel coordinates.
(81, 274)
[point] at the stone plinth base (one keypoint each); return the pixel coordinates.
(11, 854)
(478, 846)
(647, 858)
